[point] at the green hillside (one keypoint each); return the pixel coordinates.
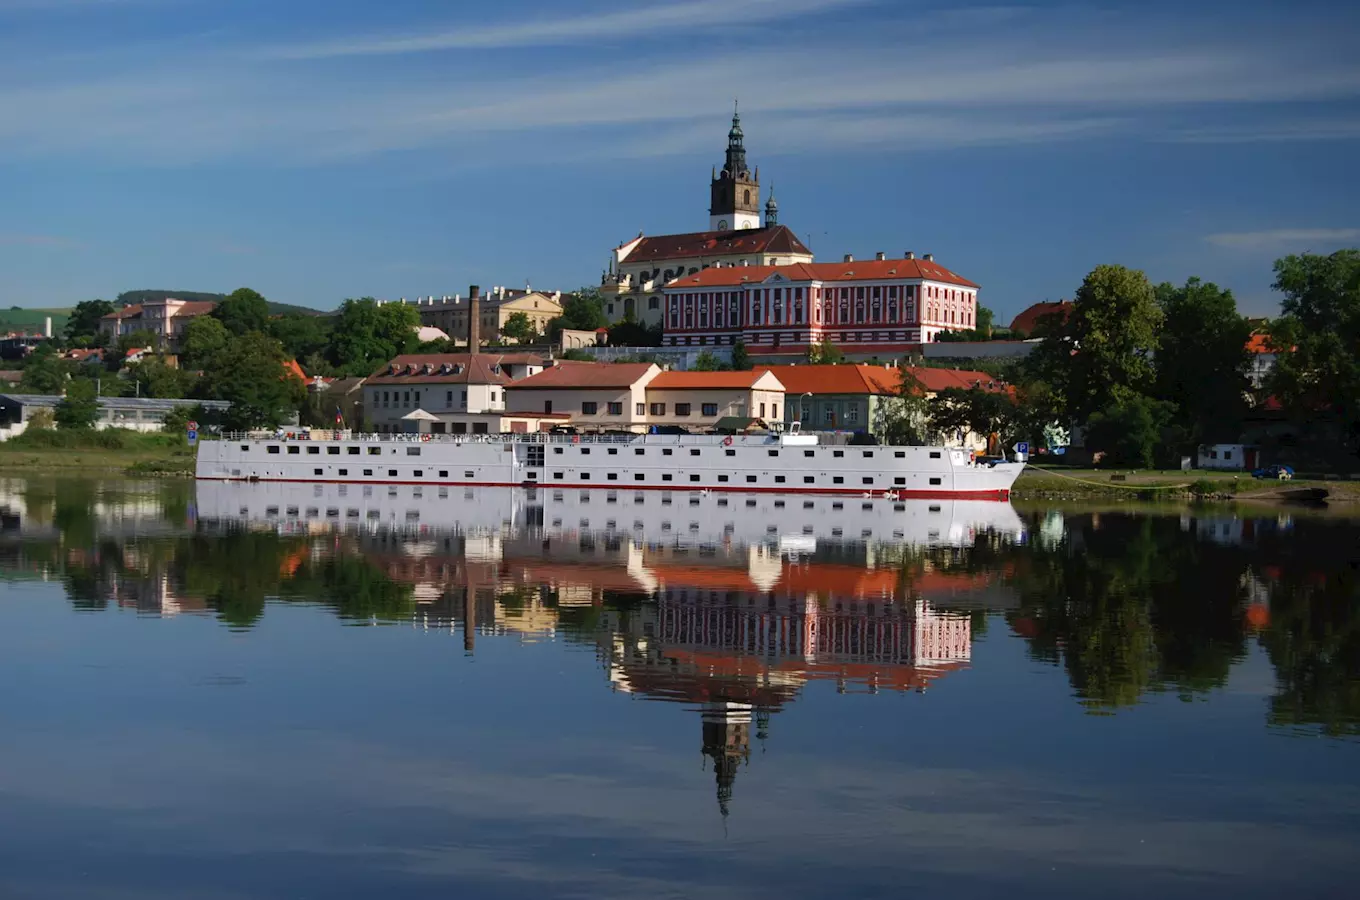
(31, 320)
(277, 309)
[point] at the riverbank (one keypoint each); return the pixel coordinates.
(1037, 483)
(109, 452)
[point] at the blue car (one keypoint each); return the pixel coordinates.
(1278, 472)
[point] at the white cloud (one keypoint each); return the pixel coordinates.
(646, 21)
(1339, 129)
(1284, 238)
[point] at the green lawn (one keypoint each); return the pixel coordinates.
(31, 320)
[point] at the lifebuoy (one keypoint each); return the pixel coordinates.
(576, 439)
(727, 441)
(424, 437)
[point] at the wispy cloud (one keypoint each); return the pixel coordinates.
(1342, 128)
(1285, 238)
(645, 21)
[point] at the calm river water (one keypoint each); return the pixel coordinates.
(252, 691)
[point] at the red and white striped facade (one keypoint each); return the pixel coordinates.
(876, 305)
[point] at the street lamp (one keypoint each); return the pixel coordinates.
(802, 408)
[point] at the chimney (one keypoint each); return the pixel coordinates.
(910, 255)
(474, 318)
(47, 327)
(880, 256)
(930, 257)
(848, 258)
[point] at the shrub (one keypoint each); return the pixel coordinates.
(1204, 488)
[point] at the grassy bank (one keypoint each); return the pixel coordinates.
(1069, 484)
(113, 451)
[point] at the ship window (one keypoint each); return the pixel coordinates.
(333, 451)
(443, 473)
(838, 480)
(935, 481)
(750, 479)
(353, 451)
(585, 476)
(731, 452)
(468, 474)
(316, 471)
(694, 478)
(838, 453)
(344, 471)
(638, 451)
(368, 471)
(245, 448)
(722, 479)
(666, 477)
(774, 452)
(808, 479)
(557, 476)
(313, 450)
(412, 451)
(558, 450)
(779, 479)
(900, 454)
(273, 448)
(866, 531)
(668, 452)
(750, 503)
(808, 504)
(613, 476)
(868, 479)
(868, 454)
(391, 473)
(778, 504)
(639, 477)
(694, 452)
(809, 453)
(838, 505)
(935, 454)
(375, 451)
(294, 450)
(901, 481)
(934, 509)
(613, 451)
(585, 451)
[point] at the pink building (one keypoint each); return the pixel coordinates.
(868, 306)
(164, 318)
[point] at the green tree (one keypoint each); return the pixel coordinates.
(1102, 354)
(82, 328)
(44, 373)
(204, 337)
(632, 333)
(367, 334)
(301, 335)
(1129, 431)
(706, 362)
(825, 353)
(955, 411)
(904, 417)
(243, 311)
(80, 407)
(741, 360)
(581, 311)
(1202, 361)
(137, 340)
(249, 373)
(1317, 373)
(984, 323)
(519, 328)
(156, 379)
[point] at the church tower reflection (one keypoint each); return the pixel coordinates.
(727, 742)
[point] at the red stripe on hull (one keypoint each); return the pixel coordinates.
(892, 493)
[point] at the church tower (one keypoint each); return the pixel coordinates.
(735, 200)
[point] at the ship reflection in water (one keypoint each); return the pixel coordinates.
(728, 605)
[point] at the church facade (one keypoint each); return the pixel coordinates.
(640, 268)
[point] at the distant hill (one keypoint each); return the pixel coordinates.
(31, 320)
(276, 309)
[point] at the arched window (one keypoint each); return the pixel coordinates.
(746, 198)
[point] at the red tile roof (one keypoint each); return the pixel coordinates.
(877, 380)
(855, 379)
(463, 368)
(570, 374)
(186, 308)
(679, 381)
(775, 239)
(126, 312)
(1029, 319)
(1260, 343)
(860, 270)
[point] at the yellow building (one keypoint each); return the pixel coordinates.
(450, 314)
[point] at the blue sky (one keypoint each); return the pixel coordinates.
(323, 149)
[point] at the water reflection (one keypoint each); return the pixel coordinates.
(731, 604)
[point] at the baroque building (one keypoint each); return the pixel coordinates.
(639, 268)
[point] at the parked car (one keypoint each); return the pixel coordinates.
(1282, 473)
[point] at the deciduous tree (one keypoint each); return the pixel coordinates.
(243, 311)
(82, 328)
(204, 337)
(249, 373)
(519, 328)
(1202, 359)
(80, 407)
(368, 334)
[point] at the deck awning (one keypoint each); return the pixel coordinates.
(740, 423)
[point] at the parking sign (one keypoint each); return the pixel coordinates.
(1022, 447)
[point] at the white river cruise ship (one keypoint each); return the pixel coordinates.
(789, 463)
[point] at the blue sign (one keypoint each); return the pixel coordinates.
(1022, 447)
(193, 437)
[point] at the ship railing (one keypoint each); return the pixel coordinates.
(285, 435)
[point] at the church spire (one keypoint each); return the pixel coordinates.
(736, 149)
(771, 210)
(735, 191)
